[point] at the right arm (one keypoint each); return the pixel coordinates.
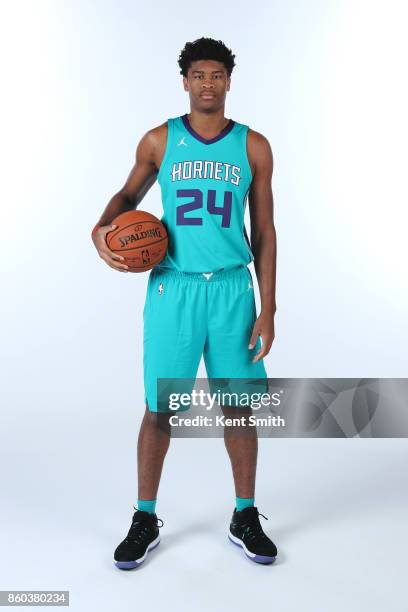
(149, 154)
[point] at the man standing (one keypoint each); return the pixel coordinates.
(200, 298)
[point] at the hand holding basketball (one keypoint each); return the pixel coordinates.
(112, 259)
(140, 237)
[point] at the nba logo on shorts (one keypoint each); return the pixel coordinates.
(161, 288)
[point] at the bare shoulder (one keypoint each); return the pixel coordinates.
(153, 144)
(258, 142)
(259, 150)
(157, 135)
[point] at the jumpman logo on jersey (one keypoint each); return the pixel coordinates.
(161, 287)
(182, 142)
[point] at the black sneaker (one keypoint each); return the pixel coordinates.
(142, 537)
(246, 531)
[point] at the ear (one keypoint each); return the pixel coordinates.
(185, 83)
(228, 83)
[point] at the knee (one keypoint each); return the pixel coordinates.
(157, 419)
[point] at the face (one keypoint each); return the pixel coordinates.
(207, 82)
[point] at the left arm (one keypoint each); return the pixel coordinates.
(263, 237)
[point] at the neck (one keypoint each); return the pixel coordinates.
(208, 124)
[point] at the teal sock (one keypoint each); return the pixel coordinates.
(147, 505)
(244, 502)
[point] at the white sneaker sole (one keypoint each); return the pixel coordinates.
(257, 558)
(137, 562)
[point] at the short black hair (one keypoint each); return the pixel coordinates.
(205, 49)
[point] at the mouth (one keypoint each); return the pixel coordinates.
(207, 96)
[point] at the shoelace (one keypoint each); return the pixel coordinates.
(136, 533)
(253, 530)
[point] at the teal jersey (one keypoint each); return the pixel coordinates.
(204, 185)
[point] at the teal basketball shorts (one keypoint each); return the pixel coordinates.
(190, 315)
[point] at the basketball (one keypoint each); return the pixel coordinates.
(140, 237)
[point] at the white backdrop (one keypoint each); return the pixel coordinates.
(325, 82)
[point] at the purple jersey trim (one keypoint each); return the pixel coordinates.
(207, 141)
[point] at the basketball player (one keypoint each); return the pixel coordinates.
(200, 298)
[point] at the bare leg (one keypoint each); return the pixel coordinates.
(152, 446)
(241, 443)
